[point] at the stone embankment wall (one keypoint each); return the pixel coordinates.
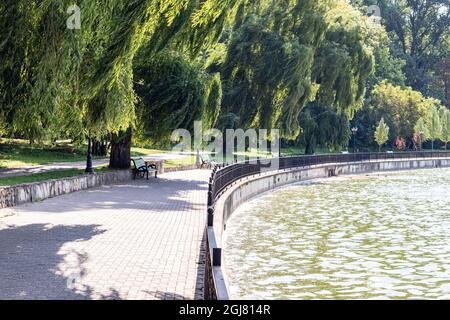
(11, 196)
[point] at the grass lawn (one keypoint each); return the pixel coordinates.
(11, 181)
(297, 151)
(136, 152)
(37, 177)
(185, 161)
(17, 153)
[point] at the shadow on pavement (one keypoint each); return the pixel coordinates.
(32, 265)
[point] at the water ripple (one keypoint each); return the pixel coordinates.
(380, 236)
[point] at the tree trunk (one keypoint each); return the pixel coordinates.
(310, 147)
(120, 157)
(94, 147)
(99, 148)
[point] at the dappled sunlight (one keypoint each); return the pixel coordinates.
(39, 261)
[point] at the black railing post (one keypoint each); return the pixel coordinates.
(217, 257)
(89, 169)
(210, 216)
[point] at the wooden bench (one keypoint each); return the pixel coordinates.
(207, 161)
(140, 167)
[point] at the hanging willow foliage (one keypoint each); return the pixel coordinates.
(174, 93)
(267, 70)
(283, 56)
(55, 80)
(323, 126)
(343, 61)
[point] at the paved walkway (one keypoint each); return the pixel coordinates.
(142, 240)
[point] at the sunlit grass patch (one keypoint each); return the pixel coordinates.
(44, 176)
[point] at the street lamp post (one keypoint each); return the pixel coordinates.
(354, 131)
(89, 168)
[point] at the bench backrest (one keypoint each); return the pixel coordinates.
(138, 163)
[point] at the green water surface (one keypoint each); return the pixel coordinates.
(379, 236)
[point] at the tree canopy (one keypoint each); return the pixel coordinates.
(51, 75)
(420, 35)
(311, 68)
(382, 133)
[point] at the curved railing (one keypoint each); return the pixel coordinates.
(223, 177)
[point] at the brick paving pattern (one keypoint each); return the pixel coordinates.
(139, 240)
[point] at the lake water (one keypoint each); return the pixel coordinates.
(379, 236)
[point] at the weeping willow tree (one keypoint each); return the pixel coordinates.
(55, 80)
(323, 126)
(173, 93)
(52, 66)
(343, 63)
(187, 26)
(267, 70)
(286, 55)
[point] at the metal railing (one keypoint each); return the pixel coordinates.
(224, 176)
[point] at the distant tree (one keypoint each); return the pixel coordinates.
(388, 67)
(400, 144)
(434, 126)
(56, 82)
(421, 132)
(420, 34)
(381, 134)
(268, 64)
(445, 120)
(323, 126)
(286, 55)
(401, 108)
(417, 141)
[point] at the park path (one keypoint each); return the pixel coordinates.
(136, 240)
(29, 170)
